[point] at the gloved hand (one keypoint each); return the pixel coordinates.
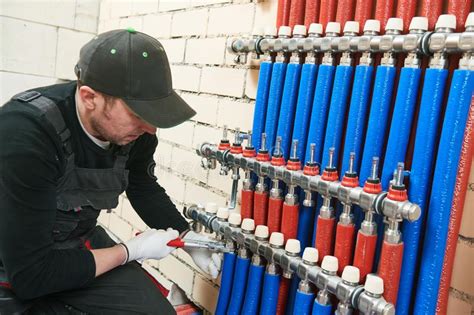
(208, 261)
(150, 244)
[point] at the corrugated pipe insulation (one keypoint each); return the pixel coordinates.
(239, 285)
(345, 11)
(383, 11)
(444, 181)
(421, 175)
(460, 190)
(460, 8)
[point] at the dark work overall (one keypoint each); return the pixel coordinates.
(81, 194)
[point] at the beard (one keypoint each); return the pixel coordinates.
(102, 133)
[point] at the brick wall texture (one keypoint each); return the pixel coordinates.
(194, 34)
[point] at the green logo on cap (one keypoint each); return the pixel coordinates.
(131, 30)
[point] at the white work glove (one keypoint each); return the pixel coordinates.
(150, 244)
(209, 261)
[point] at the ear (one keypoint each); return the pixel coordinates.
(88, 97)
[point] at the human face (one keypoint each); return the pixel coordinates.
(113, 121)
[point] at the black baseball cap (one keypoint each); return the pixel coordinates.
(134, 67)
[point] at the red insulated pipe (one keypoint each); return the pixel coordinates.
(344, 244)
(246, 206)
(460, 9)
(274, 214)
(383, 11)
(432, 10)
(345, 11)
(311, 12)
(324, 237)
(327, 12)
(260, 206)
(406, 10)
(289, 221)
(283, 295)
(460, 190)
(283, 13)
(363, 11)
(365, 253)
(390, 266)
(296, 12)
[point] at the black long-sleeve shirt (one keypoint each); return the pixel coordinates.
(31, 162)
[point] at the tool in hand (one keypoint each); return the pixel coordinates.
(214, 246)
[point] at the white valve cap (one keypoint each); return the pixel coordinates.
(330, 263)
(299, 30)
(284, 31)
(261, 231)
(419, 23)
(372, 26)
(277, 239)
(394, 24)
(257, 31)
(293, 246)
(223, 213)
(311, 255)
(446, 21)
(271, 31)
(351, 27)
(351, 274)
(211, 207)
(235, 218)
(248, 224)
(469, 20)
(315, 28)
(373, 284)
(333, 27)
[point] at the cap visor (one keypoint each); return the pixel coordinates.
(164, 112)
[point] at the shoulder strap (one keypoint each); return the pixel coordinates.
(51, 112)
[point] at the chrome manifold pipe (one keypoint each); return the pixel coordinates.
(424, 42)
(357, 196)
(356, 296)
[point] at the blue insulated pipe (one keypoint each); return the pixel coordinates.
(420, 178)
(303, 303)
(377, 125)
(271, 285)
(357, 118)
(288, 106)
(239, 285)
(335, 122)
(319, 112)
(290, 305)
(304, 105)
(274, 101)
(261, 102)
(305, 223)
(399, 135)
(444, 179)
(300, 130)
(254, 289)
(321, 309)
(226, 283)
(378, 118)
(337, 112)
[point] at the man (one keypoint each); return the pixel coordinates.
(68, 151)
